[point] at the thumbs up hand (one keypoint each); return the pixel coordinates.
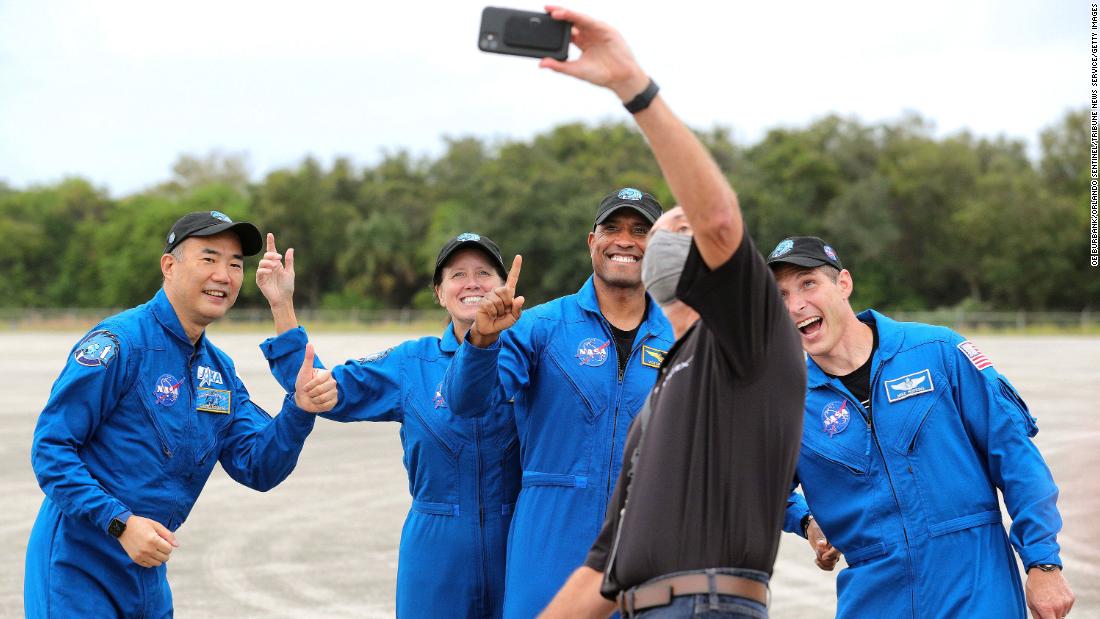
(315, 389)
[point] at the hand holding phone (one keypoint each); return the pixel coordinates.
(523, 33)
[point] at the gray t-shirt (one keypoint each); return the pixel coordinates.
(708, 486)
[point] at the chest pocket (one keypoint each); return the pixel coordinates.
(164, 394)
(213, 407)
(900, 423)
(836, 453)
(587, 383)
(436, 424)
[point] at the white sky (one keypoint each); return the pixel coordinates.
(115, 90)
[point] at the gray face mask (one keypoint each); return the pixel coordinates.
(665, 255)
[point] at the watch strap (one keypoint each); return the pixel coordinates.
(644, 98)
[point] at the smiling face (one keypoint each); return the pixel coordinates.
(817, 304)
(466, 277)
(617, 246)
(202, 278)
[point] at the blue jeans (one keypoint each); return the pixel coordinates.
(712, 605)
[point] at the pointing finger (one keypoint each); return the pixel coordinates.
(513, 275)
(270, 242)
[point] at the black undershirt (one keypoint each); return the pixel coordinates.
(859, 380)
(624, 342)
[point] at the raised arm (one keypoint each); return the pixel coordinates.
(275, 279)
(692, 174)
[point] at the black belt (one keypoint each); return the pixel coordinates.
(661, 592)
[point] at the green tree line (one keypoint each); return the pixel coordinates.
(923, 222)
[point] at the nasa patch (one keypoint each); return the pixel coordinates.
(438, 400)
(375, 356)
(629, 193)
(909, 385)
(221, 216)
(783, 247)
(468, 236)
(830, 252)
(98, 348)
(592, 353)
(835, 417)
(167, 390)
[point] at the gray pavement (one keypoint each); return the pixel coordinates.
(324, 543)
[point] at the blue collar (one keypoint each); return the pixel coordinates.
(448, 342)
(165, 314)
(890, 338)
(586, 299)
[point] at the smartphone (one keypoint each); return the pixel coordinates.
(523, 33)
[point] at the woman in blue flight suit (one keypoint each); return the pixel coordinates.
(464, 474)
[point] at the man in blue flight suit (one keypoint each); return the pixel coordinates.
(578, 369)
(143, 408)
(909, 432)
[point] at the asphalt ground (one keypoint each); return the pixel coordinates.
(324, 543)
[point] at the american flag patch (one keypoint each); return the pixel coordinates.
(976, 356)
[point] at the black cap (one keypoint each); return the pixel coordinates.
(470, 239)
(209, 223)
(805, 251)
(628, 197)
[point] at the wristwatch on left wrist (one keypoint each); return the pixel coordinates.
(116, 528)
(1048, 567)
(806, 520)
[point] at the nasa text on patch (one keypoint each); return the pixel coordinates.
(976, 356)
(213, 400)
(592, 352)
(167, 390)
(835, 417)
(652, 357)
(909, 385)
(98, 348)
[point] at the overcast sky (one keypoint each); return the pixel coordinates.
(115, 91)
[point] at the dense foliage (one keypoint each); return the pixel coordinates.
(923, 222)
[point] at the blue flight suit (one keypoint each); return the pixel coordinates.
(572, 411)
(134, 425)
(463, 473)
(911, 498)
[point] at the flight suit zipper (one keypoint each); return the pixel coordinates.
(869, 418)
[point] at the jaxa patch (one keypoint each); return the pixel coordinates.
(213, 400)
(976, 356)
(592, 353)
(652, 357)
(438, 400)
(206, 377)
(835, 417)
(97, 348)
(375, 356)
(167, 390)
(909, 385)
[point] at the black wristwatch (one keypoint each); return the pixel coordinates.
(806, 520)
(1048, 567)
(116, 528)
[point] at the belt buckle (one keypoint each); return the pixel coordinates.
(626, 602)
